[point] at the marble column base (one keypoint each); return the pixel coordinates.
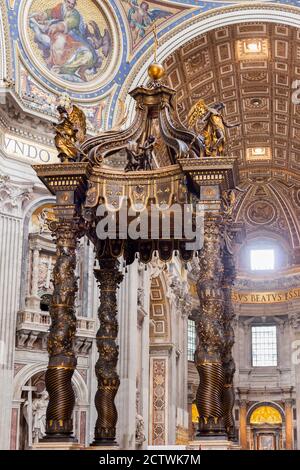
(212, 444)
(56, 446)
(100, 448)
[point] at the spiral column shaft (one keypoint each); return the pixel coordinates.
(210, 331)
(109, 278)
(62, 360)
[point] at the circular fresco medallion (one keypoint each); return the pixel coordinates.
(71, 42)
(261, 212)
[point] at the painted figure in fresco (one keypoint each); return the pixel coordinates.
(213, 124)
(70, 47)
(140, 17)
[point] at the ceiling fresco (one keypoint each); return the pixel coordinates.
(89, 47)
(74, 43)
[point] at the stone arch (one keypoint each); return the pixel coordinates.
(2, 49)
(271, 404)
(268, 430)
(272, 239)
(28, 371)
(274, 194)
(3, 43)
(19, 430)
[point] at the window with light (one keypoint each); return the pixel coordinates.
(262, 260)
(191, 340)
(264, 346)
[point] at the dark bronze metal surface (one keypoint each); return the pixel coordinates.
(62, 360)
(210, 330)
(109, 278)
(81, 182)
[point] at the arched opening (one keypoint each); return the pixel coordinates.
(30, 401)
(266, 427)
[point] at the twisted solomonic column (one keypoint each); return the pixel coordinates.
(109, 277)
(210, 330)
(62, 360)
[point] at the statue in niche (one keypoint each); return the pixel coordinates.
(70, 131)
(213, 126)
(139, 430)
(139, 424)
(38, 410)
(140, 158)
(44, 218)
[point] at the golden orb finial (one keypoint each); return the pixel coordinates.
(155, 70)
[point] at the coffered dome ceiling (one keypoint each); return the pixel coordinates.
(251, 68)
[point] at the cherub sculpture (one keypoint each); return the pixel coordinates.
(213, 126)
(139, 158)
(147, 153)
(132, 157)
(229, 201)
(70, 132)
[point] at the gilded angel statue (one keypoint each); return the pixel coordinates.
(213, 126)
(70, 131)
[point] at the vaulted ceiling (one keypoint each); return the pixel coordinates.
(251, 68)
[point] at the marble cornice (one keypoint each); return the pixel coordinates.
(285, 279)
(21, 123)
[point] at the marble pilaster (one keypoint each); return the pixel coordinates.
(126, 397)
(12, 198)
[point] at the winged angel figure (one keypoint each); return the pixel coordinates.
(213, 126)
(70, 132)
(141, 16)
